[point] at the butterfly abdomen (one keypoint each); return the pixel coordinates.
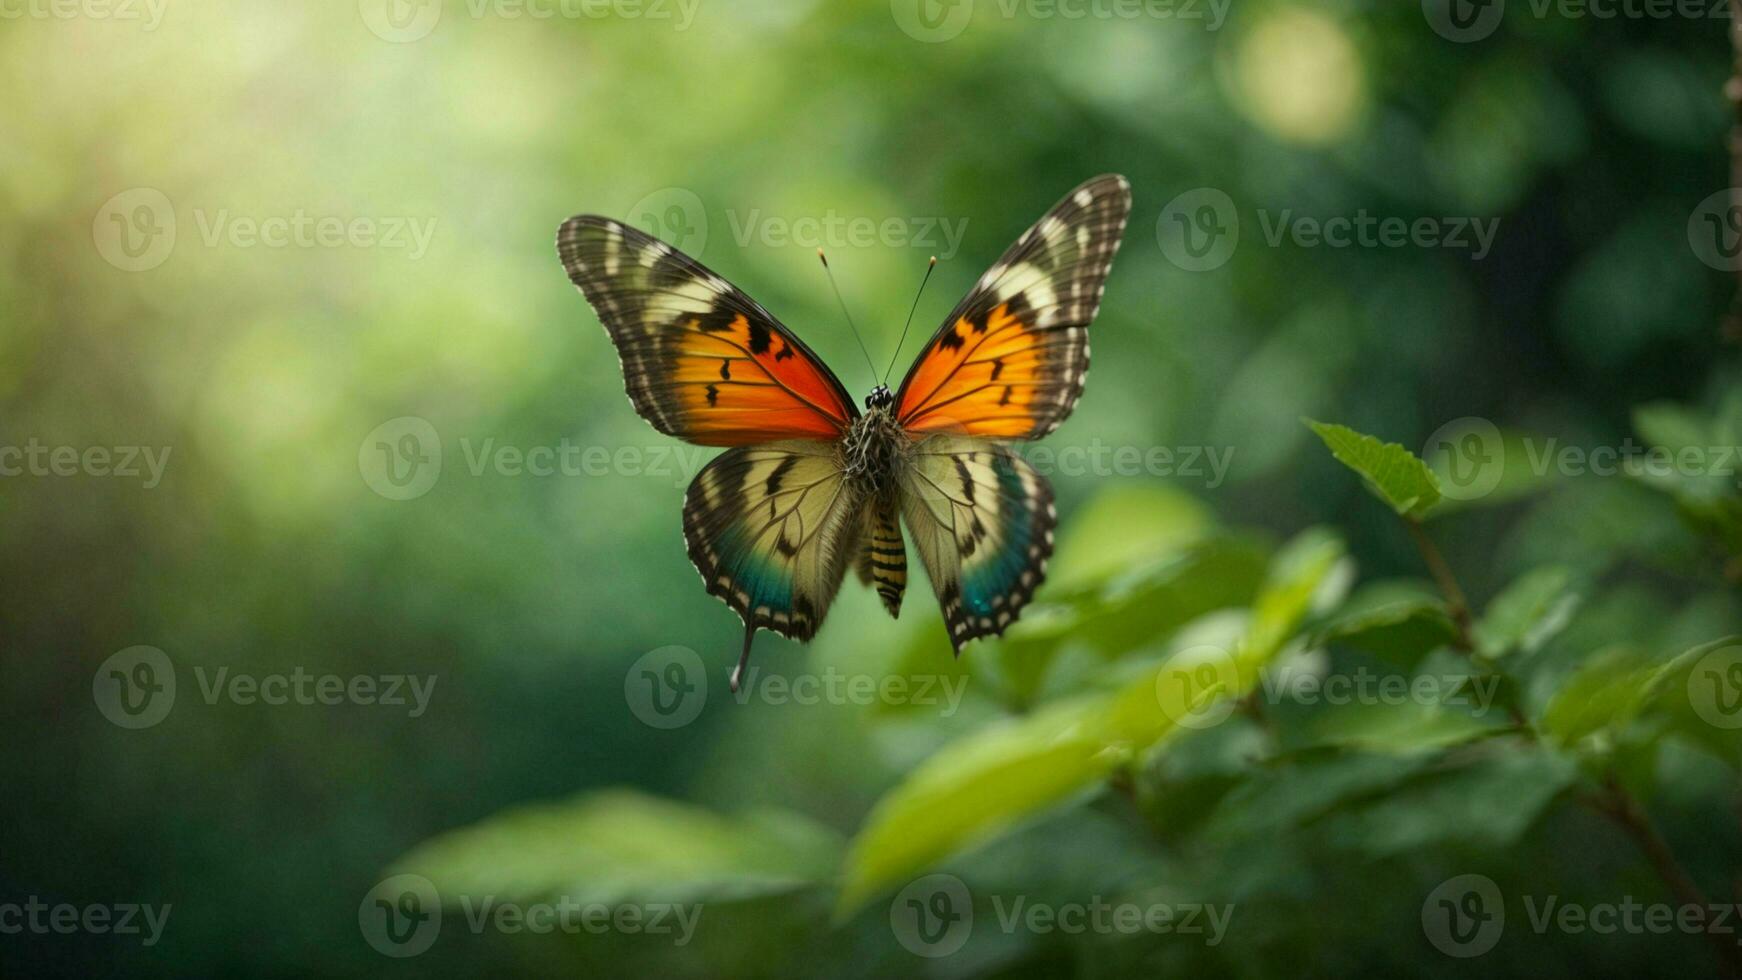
(883, 557)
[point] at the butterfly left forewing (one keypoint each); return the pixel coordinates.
(701, 360)
(982, 521)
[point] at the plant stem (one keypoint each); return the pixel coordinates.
(1459, 608)
(1456, 604)
(1620, 806)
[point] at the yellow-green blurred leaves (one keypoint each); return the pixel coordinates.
(982, 785)
(618, 846)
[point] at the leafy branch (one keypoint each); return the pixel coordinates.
(1406, 483)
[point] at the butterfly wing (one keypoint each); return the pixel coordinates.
(982, 520)
(1010, 360)
(771, 529)
(701, 360)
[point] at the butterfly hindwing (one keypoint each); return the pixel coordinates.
(1009, 361)
(701, 360)
(982, 520)
(771, 529)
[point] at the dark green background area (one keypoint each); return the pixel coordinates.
(265, 369)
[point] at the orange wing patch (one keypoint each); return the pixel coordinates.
(701, 360)
(1010, 360)
(979, 377)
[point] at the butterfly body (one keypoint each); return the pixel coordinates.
(810, 484)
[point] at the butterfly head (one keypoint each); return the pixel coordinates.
(880, 397)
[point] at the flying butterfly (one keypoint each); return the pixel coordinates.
(810, 485)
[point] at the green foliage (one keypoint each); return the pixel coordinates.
(621, 846)
(1527, 614)
(1192, 711)
(1394, 474)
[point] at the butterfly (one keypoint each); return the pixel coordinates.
(810, 484)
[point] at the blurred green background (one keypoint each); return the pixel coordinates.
(152, 298)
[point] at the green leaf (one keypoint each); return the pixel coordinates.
(1603, 695)
(1489, 802)
(1400, 628)
(974, 789)
(1196, 681)
(1406, 728)
(1125, 527)
(1527, 614)
(621, 845)
(983, 785)
(1599, 705)
(1395, 474)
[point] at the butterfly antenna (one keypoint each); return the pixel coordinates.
(862, 348)
(743, 658)
(910, 310)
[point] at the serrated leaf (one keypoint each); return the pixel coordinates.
(1527, 613)
(1395, 474)
(620, 846)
